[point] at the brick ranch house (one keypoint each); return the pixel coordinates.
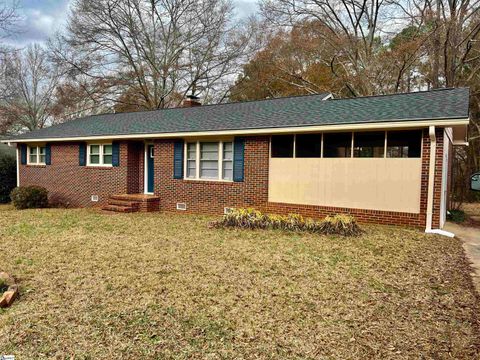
(384, 159)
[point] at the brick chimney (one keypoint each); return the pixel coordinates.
(192, 101)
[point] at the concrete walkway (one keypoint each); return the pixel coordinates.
(470, 237)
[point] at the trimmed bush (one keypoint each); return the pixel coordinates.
(457, 216)
(8, 177)
(253, 219)
(29, 197)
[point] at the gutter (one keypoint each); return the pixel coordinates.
(431, 183)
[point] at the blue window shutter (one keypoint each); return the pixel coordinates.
(82, 154)
(238, 159)
(115, 154)
(48, 154)
(23, 154)
(178, 159)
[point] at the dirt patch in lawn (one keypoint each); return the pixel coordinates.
(166, 286)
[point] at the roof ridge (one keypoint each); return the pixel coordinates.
(209, 105)
(272, 99)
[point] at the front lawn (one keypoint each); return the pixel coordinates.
(99, 286)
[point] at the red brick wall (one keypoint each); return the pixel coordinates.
(135, 167)
(71, 184)
(437, 190)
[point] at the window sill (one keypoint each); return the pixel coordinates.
(37, 165)
(209, 181)
(99, 167)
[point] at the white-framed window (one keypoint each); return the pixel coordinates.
(36, 155)
(209, 160)
(191, 162)
(227, 161)
(99, 155)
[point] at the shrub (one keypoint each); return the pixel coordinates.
(253, 219)
(8, 177)
(340, 224)
(457, 216)
(29, 197)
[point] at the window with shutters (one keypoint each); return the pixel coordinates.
(208, 160)
(99, 155)
(36, 155)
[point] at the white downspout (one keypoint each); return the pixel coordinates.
(431, 183)
(18, 169)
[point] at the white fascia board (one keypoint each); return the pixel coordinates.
(265, 131)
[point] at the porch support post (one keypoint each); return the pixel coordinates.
(431, 186)
(431, 177)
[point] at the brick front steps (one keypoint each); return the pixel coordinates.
(127, 203)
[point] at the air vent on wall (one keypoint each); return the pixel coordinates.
(181, 206)
(227, 210)
(95, 198)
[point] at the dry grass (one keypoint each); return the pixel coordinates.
(472, 209)
(97, 286)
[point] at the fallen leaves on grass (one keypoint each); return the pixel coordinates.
(143, 286)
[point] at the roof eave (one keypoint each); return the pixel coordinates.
(398, 124)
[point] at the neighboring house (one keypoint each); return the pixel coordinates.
(383, 159)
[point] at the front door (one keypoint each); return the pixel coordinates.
(150, 174)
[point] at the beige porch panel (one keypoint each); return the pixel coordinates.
(376, 184)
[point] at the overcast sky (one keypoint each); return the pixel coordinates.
(41, 18)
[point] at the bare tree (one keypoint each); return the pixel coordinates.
(151, 53)
(352, 29)
(452, 47)
(29, 86)
(8, 17)
(452, 59)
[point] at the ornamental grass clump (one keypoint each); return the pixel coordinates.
(244, 218)
(341, 224)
